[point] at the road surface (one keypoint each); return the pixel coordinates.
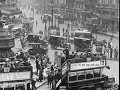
(114, 65)
(44, 87)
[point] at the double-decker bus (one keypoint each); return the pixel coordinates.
(15, 75)
(79, 74)
(82, 39)
(36, 44)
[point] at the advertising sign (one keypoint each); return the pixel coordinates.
(87, 65)
(13, 76)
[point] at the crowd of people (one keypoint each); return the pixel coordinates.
(44, 69)
(18, 63)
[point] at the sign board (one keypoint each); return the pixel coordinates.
(64, 69)
(87, 65)
(13, 76)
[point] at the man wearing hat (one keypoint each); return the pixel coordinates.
(66, 52)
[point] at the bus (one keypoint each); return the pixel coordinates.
(82, 40)
(36, 44)
(58, 42)
(14, 76)
(79, 74)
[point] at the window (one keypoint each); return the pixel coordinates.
(72, 76)
(89, 74)
(112, 13)
(97, 73)
(106, 12)
(81, 75)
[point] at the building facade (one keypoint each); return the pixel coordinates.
(108, 14)
(103, 12)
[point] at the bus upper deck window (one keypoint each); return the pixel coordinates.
(72, 76)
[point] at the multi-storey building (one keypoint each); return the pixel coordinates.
(108, 13)
(9, 7)
(104, 12)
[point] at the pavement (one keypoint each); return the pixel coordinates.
(32, 61)
(38, 84)
(115, 35)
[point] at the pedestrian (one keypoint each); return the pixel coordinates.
(63, 59)
(59, 59)
(63, 31)
(41, 17)
(55, 55)
(40, 73)
(49, 79)
(116, 53)
(76, 54)
(36, 23)
(111, 53)
(46, 71)
(52, 68)
(37, 66)
(33, 84)
(66, 52)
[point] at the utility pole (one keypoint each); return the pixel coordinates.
(44, 6)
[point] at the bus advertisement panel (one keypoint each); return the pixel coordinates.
(15, 76)
(87, 65)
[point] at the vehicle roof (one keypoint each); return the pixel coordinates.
(35, 43)
(58, 36)
(82, 30)
(77, 31)
(35, 34)
(82, 38)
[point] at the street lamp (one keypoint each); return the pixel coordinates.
(52, 11)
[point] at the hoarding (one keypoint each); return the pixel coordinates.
(13, 76)
(87, 65)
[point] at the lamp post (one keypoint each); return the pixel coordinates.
(52, 12)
